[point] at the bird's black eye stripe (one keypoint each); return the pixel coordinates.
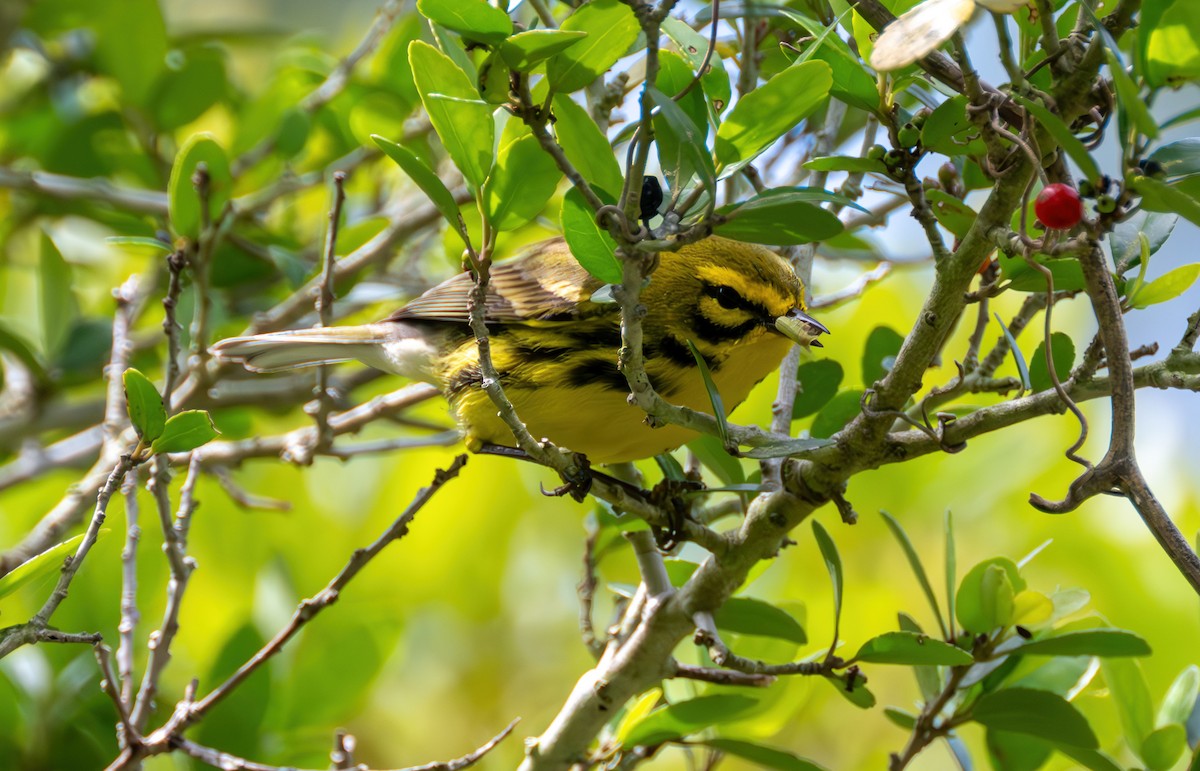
(729, 298)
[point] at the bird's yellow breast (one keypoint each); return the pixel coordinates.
(594, 416)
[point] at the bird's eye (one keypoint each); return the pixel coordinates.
(728, 297)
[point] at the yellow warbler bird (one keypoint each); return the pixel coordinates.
(555, 348)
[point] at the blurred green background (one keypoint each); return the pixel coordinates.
(471, 620)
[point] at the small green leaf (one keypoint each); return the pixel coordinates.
(146, 411)
(912, 649)
(1067, 273)
(818, 382)
(833, 564)
(1129, 98)
(712, 454)
(526, 50)
(914, 561)
(1016, 752)
(1035, 713)
(611, 29)
(1166, 287)
(849, 163)
(152, 243)
(785, 448)
(985, 597)
(1089, 642)
(185, 431)
(586, 147)
(765, 757)
(1179, 159)
(1064, 136)
(56, 300)
(714, 396)
(1163, 747)
(424, 177)
(747, 615)
(1063, 350)
(1157, 196)
(686, 717)
(183, 201)
(462, 119)
(1180, 701)
(1131, 697)
(947, 121)
(693, 46)
(473, 19)
(781, 218)
(521, 183)
(836, 413)
(879, 354)
(905, 721)
(688, 137)
(769, 111)
(41, 565)
(1170, 43)
(590, 244)
(853, 689)
(951, 213)
(1018, 357)
(929, 680)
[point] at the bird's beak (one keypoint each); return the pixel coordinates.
(798, 326)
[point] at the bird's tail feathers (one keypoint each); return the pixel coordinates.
(278, 351)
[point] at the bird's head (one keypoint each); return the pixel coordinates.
(720, 293)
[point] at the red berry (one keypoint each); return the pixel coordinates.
(1058, 207)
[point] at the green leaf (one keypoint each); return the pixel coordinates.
(833, 564)
(1180, 700)
(1163, 747)
(1171, 44)
(236, 725)
(905, 721)
(1018, 357)
(424, 177)
(14, 342)
(947, 121)
(131, 44)
(586, 147)
(817, 382)
(985, 596)
(183, 201)
(590, 244)
(195, 82)
(693, 46)
(1016, 752)
(852, 83)
(765, 757)
(746, 615)
(1035, 713)
(834, 416)
(1179, 159)
(785, 448)
(473, 19)
(1129, 97)
(146, 411)
(521, 183)
(463, 121)
(951, 568)
(1166, 287)
(1064, 136)
(185, 431)
(712, 454)
(928, 678)
(781, 218)
(1067, 273)
(769, 111)
(688, 137)
(846, 163)
(714, 396)
(611, 29)
(526, 50)
(914, 561)
(853, 689)
(1131, 697)
(879, 353)
(1089, 642)
(951, 213)
(56, 300)
(1062, 348)
(686, 717)
(911, 649)
(152, 243)
(1157, 196)
(41, 565)
(1091, 759)
(1126, 237)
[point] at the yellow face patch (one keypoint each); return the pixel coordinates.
(767, 295)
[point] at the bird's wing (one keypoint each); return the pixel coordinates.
(546, 283)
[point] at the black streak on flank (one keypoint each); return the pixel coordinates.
(602, 372)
